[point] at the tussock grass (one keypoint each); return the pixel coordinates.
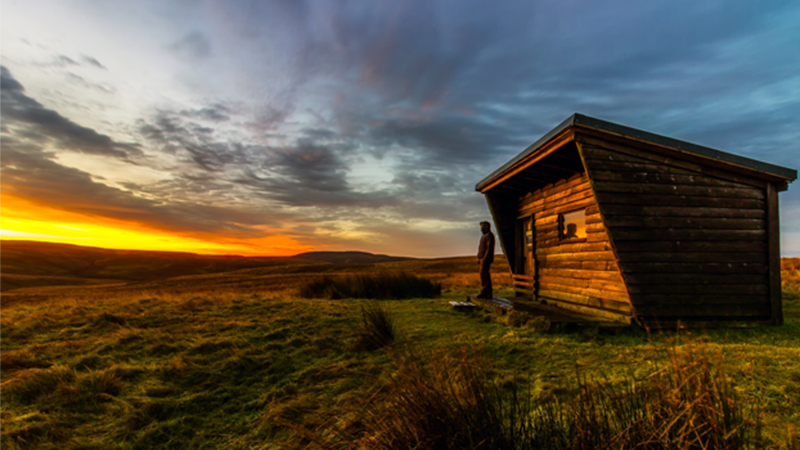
(686, 405)
(11, 360)
(516, 318)
(449, 399)
(377, 327)
(226, 360)
(539, 324)
(381, 285)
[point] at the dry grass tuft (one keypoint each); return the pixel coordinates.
(449, 400)
(516, 318)
(377, 328)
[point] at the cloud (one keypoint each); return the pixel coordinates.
(309, 171)
(65, 61)
(194, 46)
(30, 173)
(308, 174)
(92, 62)
(189, 141)
(100, 87)
(33, 136)
(30, 119)
(308, 97)
(212, 113)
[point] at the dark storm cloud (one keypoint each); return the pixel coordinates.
(191, 141)
(92, 62)
(319, 133)
(316, 167)
(447, 140)
(212, 113)
(548, 58)
(308, 174)
(62, 61)
(745, 134)
(193, 46)
(312, 171)
(402, 50)
(602, 48)
(100, 87)
(483, 89)
(66, 61)
(28, 117)
(454, 90)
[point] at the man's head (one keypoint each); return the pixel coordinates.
(485, 227)
(572, 229)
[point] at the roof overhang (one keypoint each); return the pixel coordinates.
(577, 124)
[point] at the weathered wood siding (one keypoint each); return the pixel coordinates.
(583, 276)
(691, 241)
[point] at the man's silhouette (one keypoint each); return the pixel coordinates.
(485, 259)
(572, 231)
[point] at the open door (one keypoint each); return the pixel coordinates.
(524, 273)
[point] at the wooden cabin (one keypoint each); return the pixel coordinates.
(622, 225)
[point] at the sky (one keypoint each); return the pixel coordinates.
(279, 127)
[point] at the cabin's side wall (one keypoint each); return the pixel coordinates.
(582, 276)
(691, 240)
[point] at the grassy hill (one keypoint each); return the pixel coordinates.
(350, 257)
(28, 263)
(237, 359)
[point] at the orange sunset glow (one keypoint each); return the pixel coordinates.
(260, 128)
(24, 220)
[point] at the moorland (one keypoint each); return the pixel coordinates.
(106, 349)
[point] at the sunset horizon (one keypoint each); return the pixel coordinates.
(277, 128)
(35, 240)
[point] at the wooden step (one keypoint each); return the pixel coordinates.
(496, 301)
(553, 313)
(463, 305)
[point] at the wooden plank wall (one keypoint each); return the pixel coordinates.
(691, 240)
(583, 276)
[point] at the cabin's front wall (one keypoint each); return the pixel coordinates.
(578, 275)
(691, 241)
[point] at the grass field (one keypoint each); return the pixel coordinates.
(238, 360)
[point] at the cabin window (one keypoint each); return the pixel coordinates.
(572, 225)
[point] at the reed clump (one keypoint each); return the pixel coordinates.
(689, 404)
(449, 400)
(377, 328)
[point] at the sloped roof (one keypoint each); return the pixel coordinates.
(681, 147)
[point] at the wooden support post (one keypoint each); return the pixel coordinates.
(774, 256)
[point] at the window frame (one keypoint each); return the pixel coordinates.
(561, 225)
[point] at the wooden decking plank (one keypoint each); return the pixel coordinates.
(553, 313)
(461, 305)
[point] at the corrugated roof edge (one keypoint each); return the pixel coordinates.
(699, 150)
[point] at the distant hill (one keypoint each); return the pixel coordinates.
(350, 257)
(30, 263)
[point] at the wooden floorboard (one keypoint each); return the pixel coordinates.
(552, 313)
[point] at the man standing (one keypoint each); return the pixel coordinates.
(485, 259)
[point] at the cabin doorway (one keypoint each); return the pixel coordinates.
(525, 271)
